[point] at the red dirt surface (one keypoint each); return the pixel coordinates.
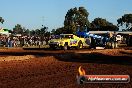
(58, 69)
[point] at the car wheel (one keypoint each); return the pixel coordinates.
(80, 45)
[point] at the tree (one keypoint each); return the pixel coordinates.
(60, 31)
(100, 24)
(26, 32)
(37, 32)
(10, 31)
(76, 17)
(18, 29)
(47, 34)
(1, 20)
(32, 32)
(125, 20)
(43, 30)
(53, 31)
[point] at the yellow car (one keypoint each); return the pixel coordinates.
(66, 41)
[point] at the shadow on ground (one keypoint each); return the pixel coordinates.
(95, 58)
(79, 57)
(35, 48)
(21, 53)
(127, 53)
(46, 49)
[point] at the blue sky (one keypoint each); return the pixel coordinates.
(33, 13)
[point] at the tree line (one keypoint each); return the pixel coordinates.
(18, 29)
(76, 19)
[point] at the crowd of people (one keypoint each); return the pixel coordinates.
(21, 41)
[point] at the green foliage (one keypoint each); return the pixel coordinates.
(59, 31)
(47, 34)
(32, 32)
(126, 20)
(43, 31)
(18, 29)
(10, 31)
(37, 32)
(100, 24)
(74, 18)
(1, 20)
(27, 32)
(53, 31)
(40, 32)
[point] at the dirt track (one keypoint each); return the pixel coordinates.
(58, 69)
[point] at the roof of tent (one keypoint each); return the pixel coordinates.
(4, 31)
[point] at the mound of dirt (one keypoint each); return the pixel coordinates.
(10, 58)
